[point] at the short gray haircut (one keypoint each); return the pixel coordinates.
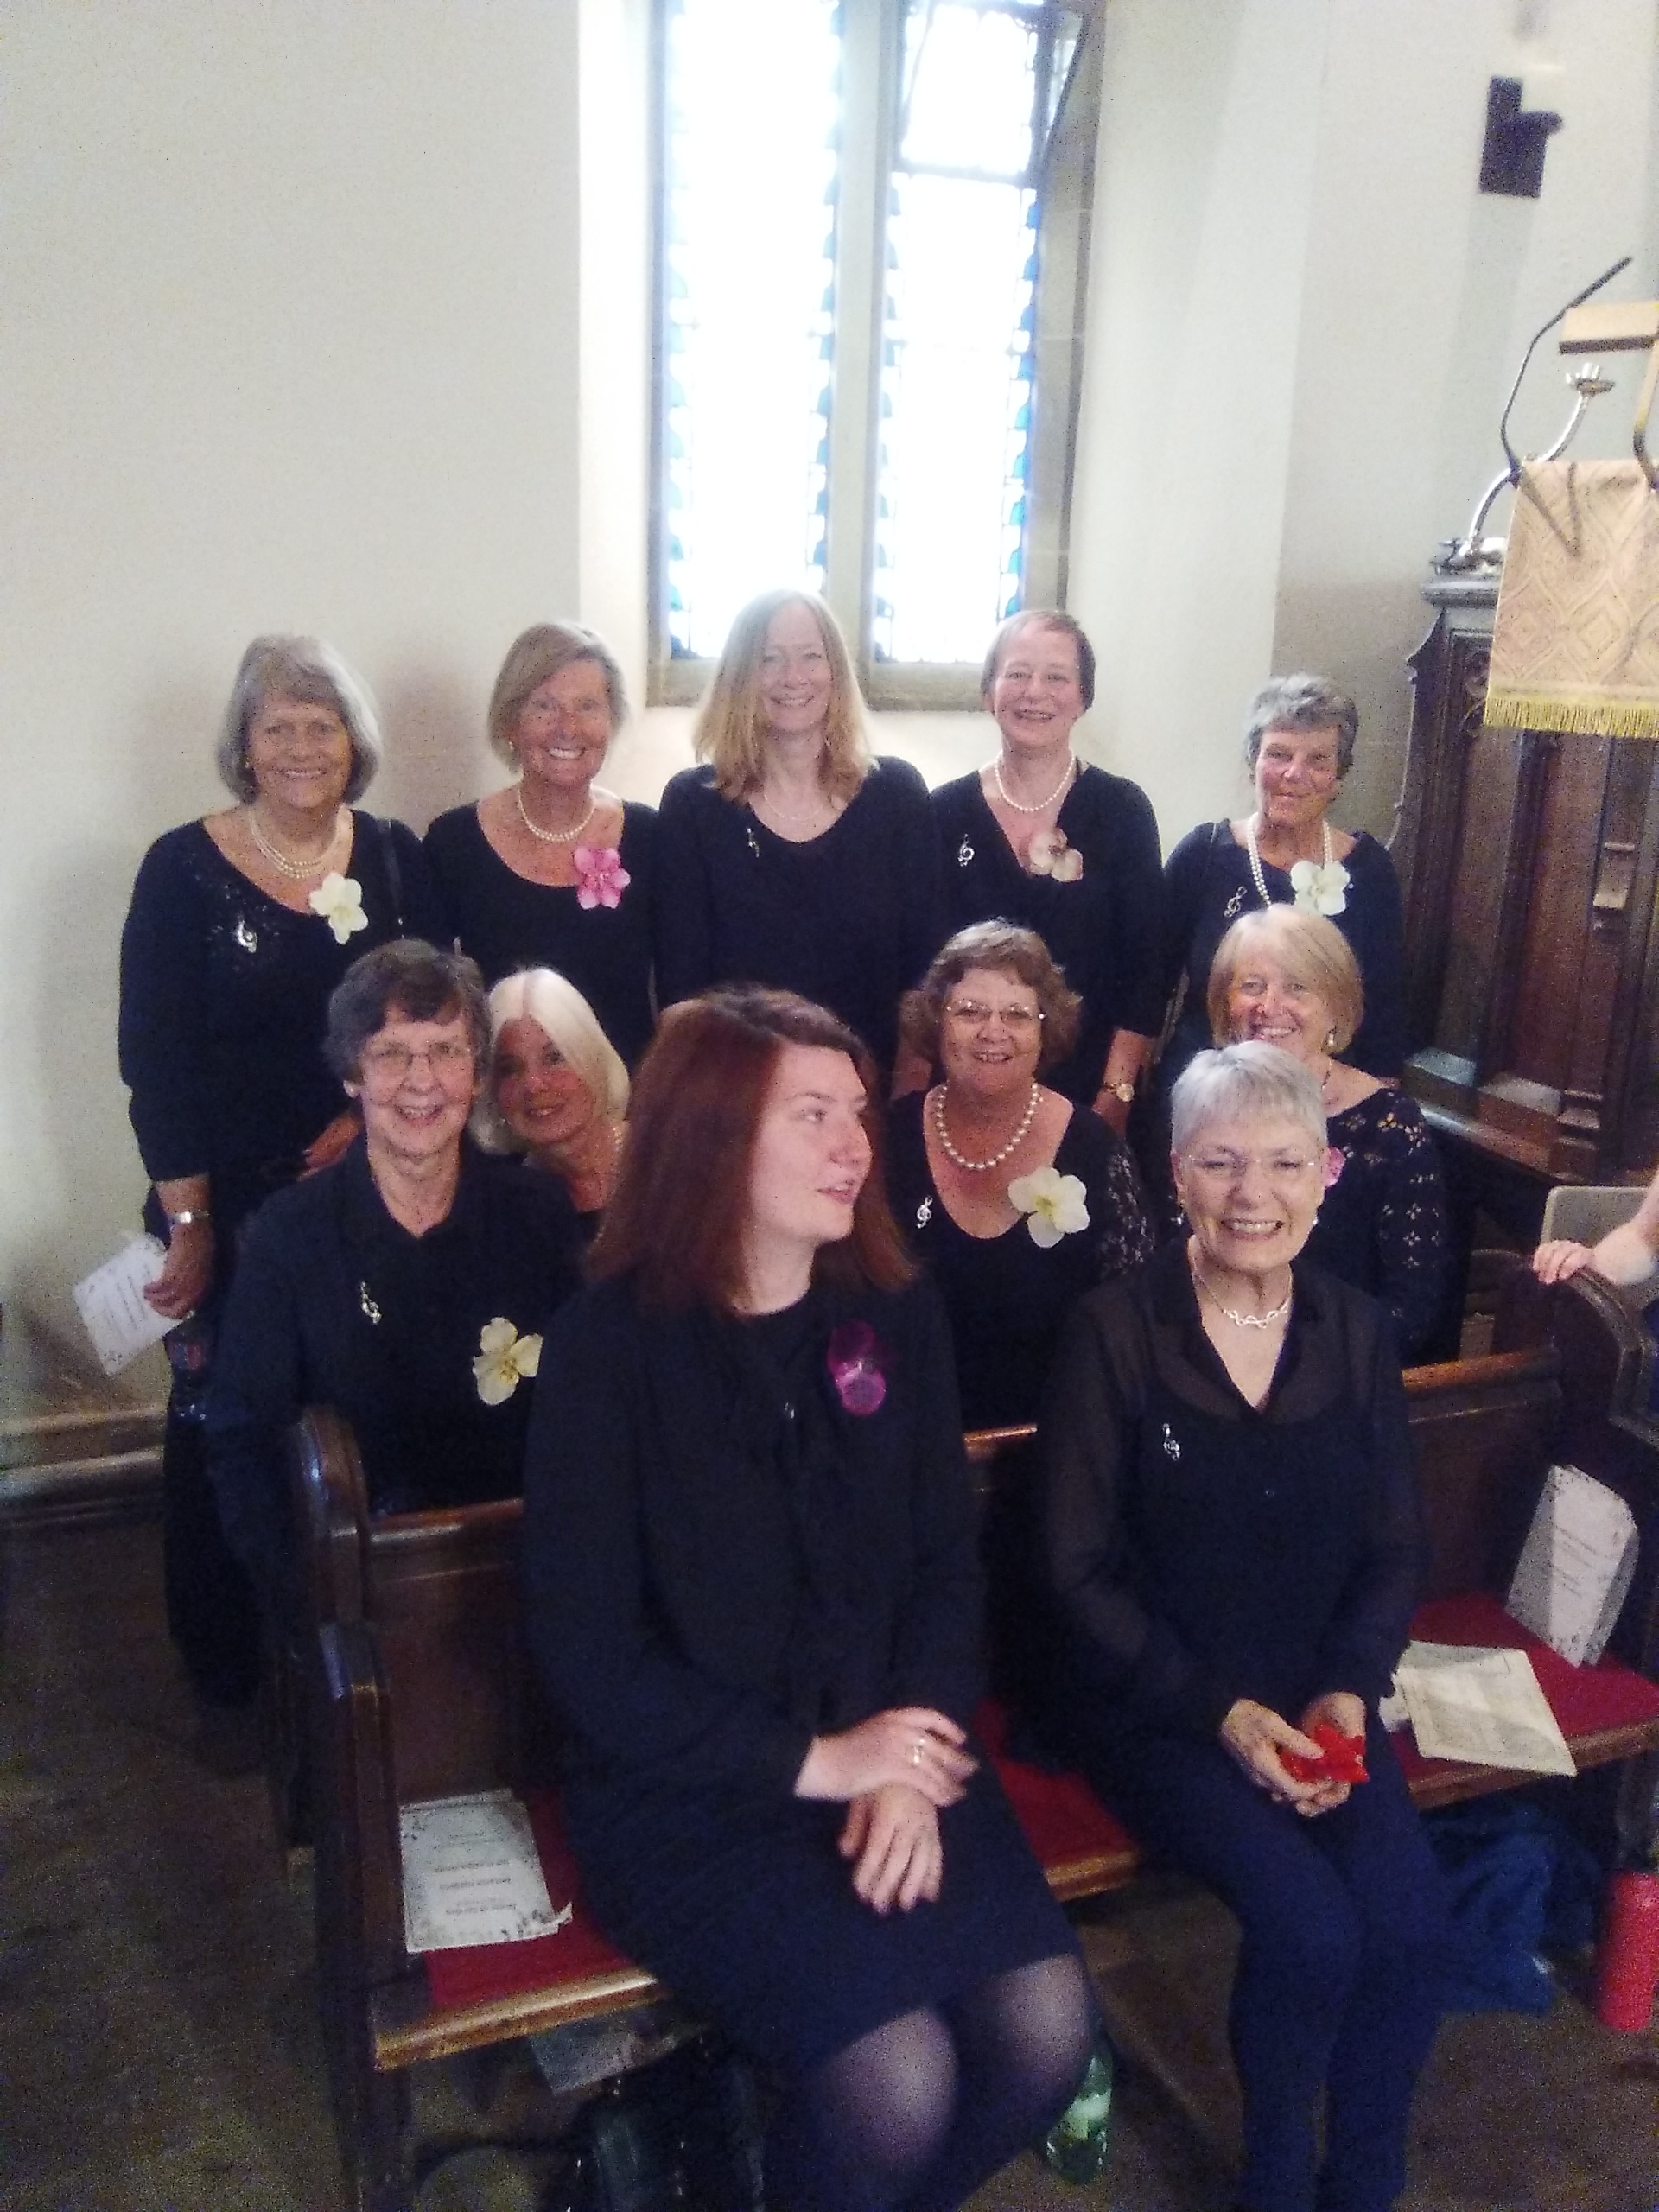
(534, 655)
(413, 981)
(296, 667)
(1301, 702)
(559, 1010)
(1242, 1083)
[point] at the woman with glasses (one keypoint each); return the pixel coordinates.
(555, 871)
(407, 1286)
(1016, 1200)
(1233, 1548)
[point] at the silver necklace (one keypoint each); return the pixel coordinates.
(1256, 856)
(1043, 804)
(295, 871)
(980, 1166)
(553, 836)
(1231, 1314)
(795, 813)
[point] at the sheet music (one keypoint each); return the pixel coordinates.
(1575, 1566)
(1477, 1702)
(119, 1320)
(472, 1874)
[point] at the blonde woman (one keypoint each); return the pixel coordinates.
(792, 856)
(557, 1090)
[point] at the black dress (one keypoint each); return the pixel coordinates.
(1103, 929)
(224, 1004)
(849, 919)
(1007, 1296)
(1208, 885)
(721, 1560)
(505, 922)
(1382, 1225)
(335, 1304)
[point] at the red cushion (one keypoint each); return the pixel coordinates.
(1584, 1699)
(483, 1972)
(1061, 1816)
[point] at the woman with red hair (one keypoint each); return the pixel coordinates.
(754, 1596)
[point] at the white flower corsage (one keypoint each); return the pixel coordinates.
(1051, 1203)
(1048, 853)
(503, 1357)
(339, 899)
(1321, 889)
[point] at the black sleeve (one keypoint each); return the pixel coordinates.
(937, 1660)
(1370, 1626)
(1379, 941)
(1414, 1235)
(683, 906)
(1126, 1238)
(607, 1663)
(160, 1035)
(257, 1393)
(418, 904)
(1118, 1650)
(922, 922)
(1139, 866)
(1184, 875)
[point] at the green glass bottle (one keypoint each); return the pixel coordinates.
(1076, 2147)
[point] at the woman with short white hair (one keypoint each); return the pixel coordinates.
(1233, 1548)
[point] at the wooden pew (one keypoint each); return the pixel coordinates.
(421, 1686)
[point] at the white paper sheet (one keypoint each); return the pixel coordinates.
(472, 1874)
(1575, 1566)
(1475, 1703)
(119, 1320)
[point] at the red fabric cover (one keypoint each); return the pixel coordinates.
(1584, 1699)
(1061, 1816)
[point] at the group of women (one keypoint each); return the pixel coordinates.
(770, 1054)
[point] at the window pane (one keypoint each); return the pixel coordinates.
(969, 83)
(955, 414)
(753, 96)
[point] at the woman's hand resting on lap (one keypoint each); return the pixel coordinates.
(892, 1836)
(1255, 1735)
(909, 1745)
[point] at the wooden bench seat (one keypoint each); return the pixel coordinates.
(421, 1688)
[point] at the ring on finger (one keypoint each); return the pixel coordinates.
(915, 1752)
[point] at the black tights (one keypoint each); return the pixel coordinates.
(923, 2109)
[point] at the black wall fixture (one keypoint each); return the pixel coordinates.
(1512, 159)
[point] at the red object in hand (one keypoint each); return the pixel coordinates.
(1341, 1758)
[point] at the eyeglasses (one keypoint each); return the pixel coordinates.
(1228, 1166)
(972, 1015)
(392, 1062)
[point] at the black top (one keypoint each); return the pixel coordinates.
(849, 919)
(1208, 885)
(335, 1304)
(723, 1560)
(505, 922)
(1103, 929)
(1382, 1225)
(224, 1004)
(1199, 1551)
(1007, 1296)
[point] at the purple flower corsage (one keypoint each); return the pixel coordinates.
(856, 1362)
(601, 877)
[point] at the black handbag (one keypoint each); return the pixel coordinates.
(683, 2135)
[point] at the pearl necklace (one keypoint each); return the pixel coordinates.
(553, 836)
(295, 871)
(981, 1166)
(1043, 804)
(1256, 856)
(1241, 1321)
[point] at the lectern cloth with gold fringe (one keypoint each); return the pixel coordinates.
(1575, 644)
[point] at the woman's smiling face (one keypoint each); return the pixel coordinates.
(1251, 1190)
(1268, 1003)
(1036, 695)
(539, 1095)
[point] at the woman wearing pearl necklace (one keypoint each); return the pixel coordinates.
(792, 856)
(1016, 1200)
(1038, 838)
(554, 871)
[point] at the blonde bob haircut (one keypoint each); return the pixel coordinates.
(564, 1017)
(534, 655)
(1312, 952)
(732, 724)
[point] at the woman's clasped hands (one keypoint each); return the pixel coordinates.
(895, 1772)
(1255, 1735)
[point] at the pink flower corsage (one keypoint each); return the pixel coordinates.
(1048, 853)
(601, 877)
(855, 1367)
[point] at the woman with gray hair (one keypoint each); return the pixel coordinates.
(557, 1090)
(1233, 1548)
(241, 924)
(407, 1285)
(1298, 745)
(554, 871)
